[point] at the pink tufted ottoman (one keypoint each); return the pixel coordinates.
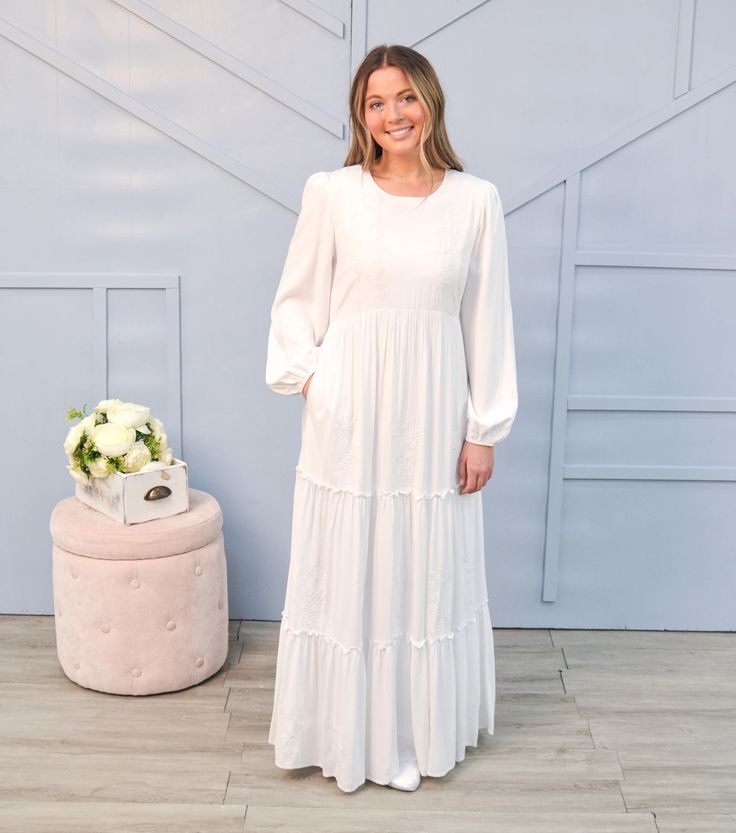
(140, 609)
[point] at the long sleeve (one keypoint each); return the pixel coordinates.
(301, 309)
(488, 332)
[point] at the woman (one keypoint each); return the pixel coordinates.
(393, 319)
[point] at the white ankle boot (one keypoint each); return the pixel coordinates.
(407, 778)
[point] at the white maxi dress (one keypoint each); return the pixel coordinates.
(400, 306)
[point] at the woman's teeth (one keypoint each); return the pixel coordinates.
(397, 134)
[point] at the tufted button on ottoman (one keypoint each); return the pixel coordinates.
(140, 608)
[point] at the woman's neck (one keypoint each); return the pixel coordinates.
(408, 171)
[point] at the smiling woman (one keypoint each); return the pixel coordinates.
(402, 117)
(393, 319)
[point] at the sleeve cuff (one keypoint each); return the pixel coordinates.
(487, 436)
(292, 380)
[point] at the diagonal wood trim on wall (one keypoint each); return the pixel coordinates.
(588, 157)
(226, 60)
(157, 120)
(316, 15)
(576, 164)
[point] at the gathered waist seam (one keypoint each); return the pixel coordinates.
(335, 321)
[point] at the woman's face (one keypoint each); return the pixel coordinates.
(390, 106)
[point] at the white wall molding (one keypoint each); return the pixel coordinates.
(99, 283)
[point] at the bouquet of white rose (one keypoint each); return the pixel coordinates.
(116, 436)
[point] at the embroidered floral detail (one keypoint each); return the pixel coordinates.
(368, 263)
(445, 232)
(290, 732)
(448, 242)
(343, 452)
(439, 596)
(312, 591)
(468, 577)
(406, 443)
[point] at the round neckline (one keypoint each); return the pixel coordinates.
(380, 190)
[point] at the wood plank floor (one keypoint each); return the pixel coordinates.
(596, 731)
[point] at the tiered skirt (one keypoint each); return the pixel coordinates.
(385, 646)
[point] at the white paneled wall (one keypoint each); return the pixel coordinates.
(152, 160)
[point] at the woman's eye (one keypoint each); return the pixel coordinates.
(412, 97)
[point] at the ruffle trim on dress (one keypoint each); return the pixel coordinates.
(349, 649)
(443, 493)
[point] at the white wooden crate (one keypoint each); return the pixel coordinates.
(139, 496)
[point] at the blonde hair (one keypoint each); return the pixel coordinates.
(435, 150)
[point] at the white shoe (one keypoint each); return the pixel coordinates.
(407, 778)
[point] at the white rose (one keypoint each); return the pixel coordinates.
(167, 456)
(157, 427)
(101, 467)
(78, 474)
(129, 414)
(112, 439)
(154, 465)
(137, 457)
(102, 406)
(73, 438)
(88, 423)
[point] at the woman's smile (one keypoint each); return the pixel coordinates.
(400, 132)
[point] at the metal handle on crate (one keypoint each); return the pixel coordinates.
(157, 493)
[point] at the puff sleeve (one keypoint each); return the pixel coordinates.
(301, 308)
(488, 333)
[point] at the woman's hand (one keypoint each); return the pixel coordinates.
(305, 389)
(475, 467)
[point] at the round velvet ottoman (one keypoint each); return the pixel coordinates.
(140, 608)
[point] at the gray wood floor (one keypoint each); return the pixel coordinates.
(605, 731)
